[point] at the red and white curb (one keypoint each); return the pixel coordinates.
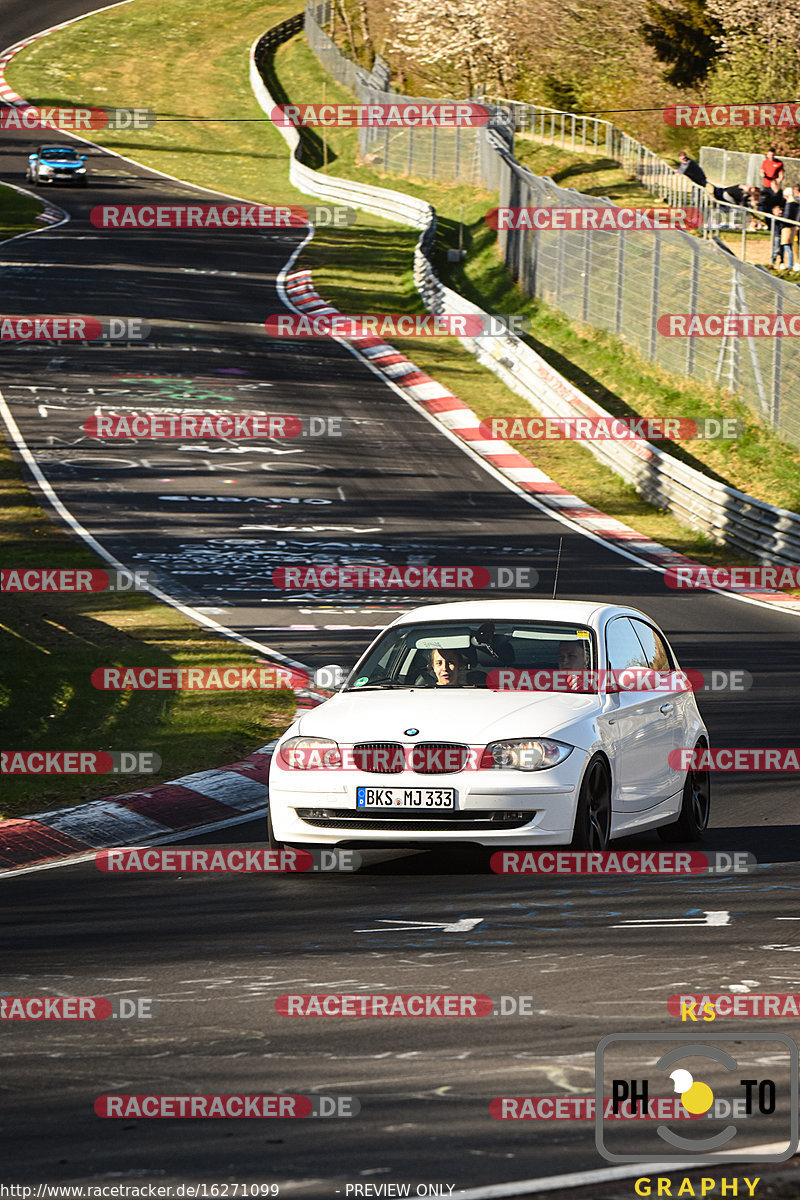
(166, 812)
(459, 419)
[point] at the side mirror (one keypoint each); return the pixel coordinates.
(83, 158)
(32, 157)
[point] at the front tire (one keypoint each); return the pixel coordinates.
(592, 829)
(695, 807)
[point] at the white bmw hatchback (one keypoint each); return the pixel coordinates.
(501, 723)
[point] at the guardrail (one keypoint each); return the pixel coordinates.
(767, 533)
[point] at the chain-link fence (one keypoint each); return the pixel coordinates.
(624, 283)
(617, 282)
(446, 155)
(727, 167)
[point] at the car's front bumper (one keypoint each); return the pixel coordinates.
(492, 807)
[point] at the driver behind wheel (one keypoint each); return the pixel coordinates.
(447, 666)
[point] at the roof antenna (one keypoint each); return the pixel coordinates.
(558, 564)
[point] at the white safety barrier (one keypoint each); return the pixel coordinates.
(728, 516)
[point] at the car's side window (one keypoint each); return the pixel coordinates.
(623, 648)
(656, 653)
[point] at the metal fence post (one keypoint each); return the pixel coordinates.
(654, 297)
(694, 283)
(587, 272)
(777, 359)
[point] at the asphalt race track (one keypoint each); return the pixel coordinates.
(212, 521)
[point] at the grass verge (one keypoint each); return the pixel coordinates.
(193, 71)
(18, 213)
(216, 135)
(51, 643)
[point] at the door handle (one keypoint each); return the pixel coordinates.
(665, 708)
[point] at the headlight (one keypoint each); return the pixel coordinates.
(44, 169)
(310, 754)
(81, 171)
(525, 754)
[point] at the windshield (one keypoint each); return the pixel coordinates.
(496, 655)
(59, 154)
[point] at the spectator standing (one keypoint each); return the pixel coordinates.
(781, 249)
(771, 168)
(789, 232)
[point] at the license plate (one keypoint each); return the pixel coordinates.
(398, 797)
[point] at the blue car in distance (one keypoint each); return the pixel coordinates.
(56, 164)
